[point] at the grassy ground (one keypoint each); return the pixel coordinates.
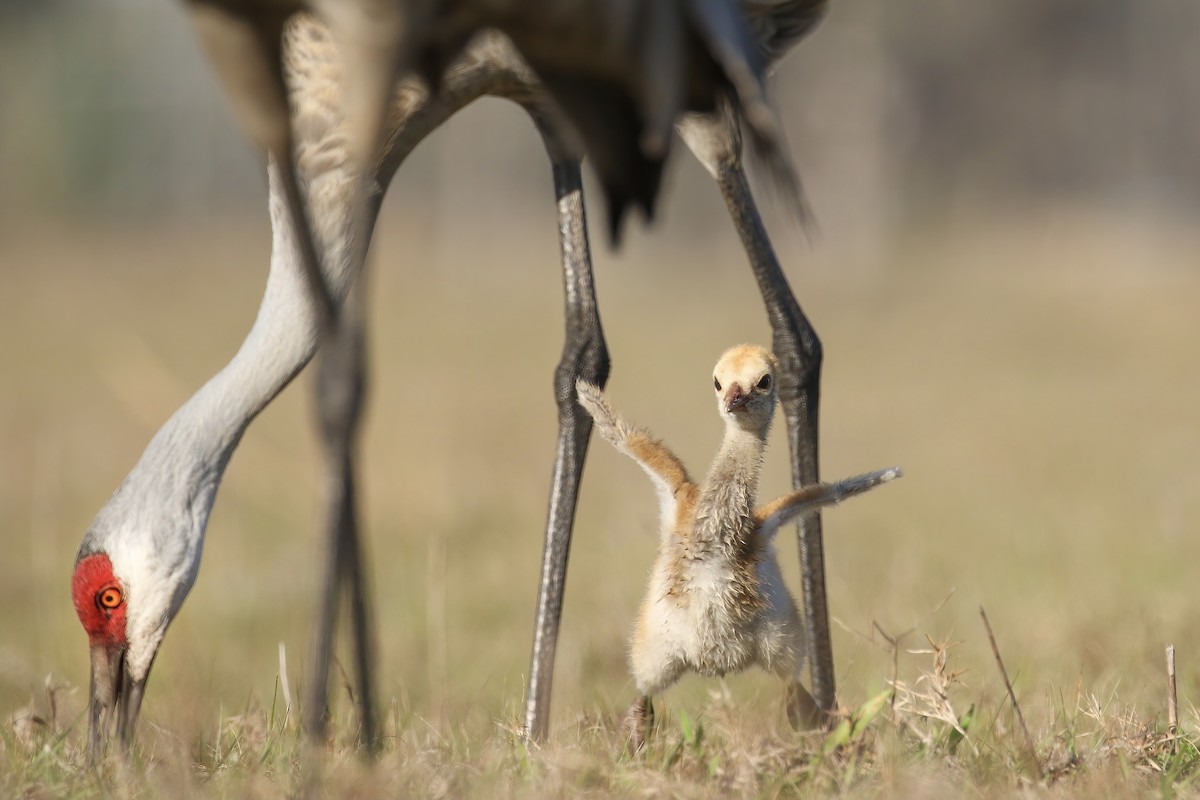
(1037, 382)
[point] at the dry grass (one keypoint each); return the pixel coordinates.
(917, 746)
(1036, 381)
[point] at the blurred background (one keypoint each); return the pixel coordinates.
(1005, 279)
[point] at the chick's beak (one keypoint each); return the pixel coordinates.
(112, 691)
(735, 398)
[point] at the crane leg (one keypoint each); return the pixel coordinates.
(340, 386)
(341, 383)
(584, 355)
(340, 389)
(371, 63)
(246, 49)
(798, 349)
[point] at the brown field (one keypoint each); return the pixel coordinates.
(1038, 381)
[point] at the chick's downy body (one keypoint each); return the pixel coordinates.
(717, 602)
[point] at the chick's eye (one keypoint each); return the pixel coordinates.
(717, 384)
(110, 597)
(764, 382)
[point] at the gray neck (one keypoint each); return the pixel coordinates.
(724, 512)
(172, 488)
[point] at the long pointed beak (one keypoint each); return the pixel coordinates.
(114, 698)
(735, 398)
(129, 705)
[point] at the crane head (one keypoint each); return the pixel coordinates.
(125, 608)
(102, 605)
(744, 381)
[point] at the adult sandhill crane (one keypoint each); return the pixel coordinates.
(140, 558)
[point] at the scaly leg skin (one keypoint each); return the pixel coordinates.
(340, 385)
(798, 349)
(584, 356)
(638, 724)
(353, 567)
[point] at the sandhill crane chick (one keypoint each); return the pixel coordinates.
(717, 603)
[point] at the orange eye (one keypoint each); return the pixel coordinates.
(110, 597)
